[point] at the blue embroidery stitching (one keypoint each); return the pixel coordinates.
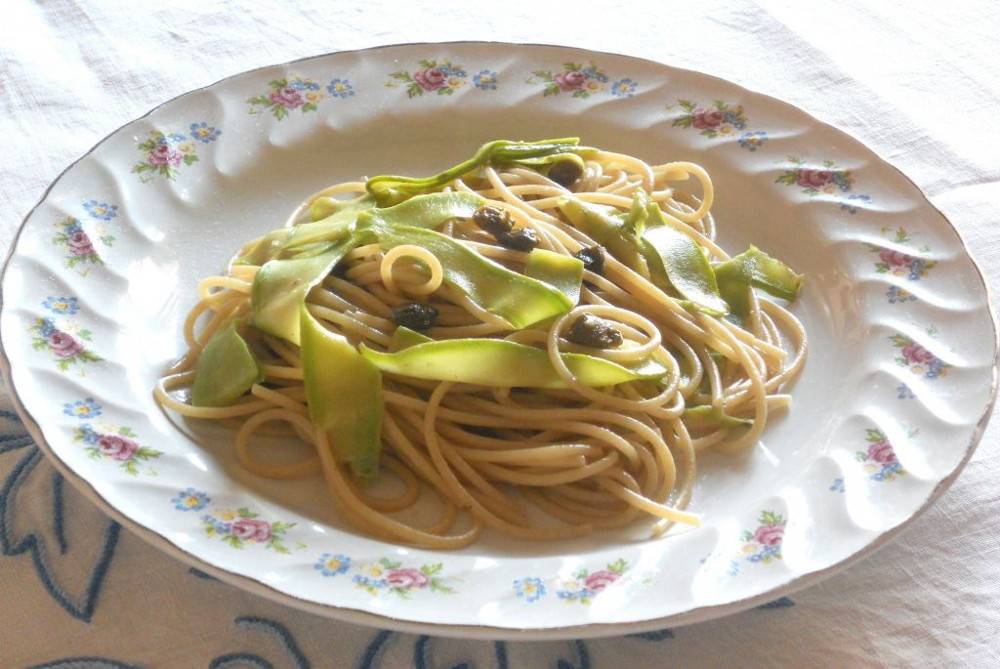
(240, 660)
(373, 649)
(275, 629)
(581, 652)
(500, 650)
(57, 513)
(656, 635)
(14, 441)
(81, 610)
(85, 663)
(200, 574)
(780, 603)
(422, 654)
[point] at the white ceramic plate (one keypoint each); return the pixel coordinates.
(894, 396)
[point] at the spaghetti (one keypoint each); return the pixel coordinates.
(544, 430)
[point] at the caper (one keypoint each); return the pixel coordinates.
(415, 316)
(592, 257)
(595, 332)
(565, 172)
(522, 239)
(493, 220)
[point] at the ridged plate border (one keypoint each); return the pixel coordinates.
(903, 254)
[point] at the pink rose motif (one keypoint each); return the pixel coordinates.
(430, 79)
(117, 448)
(570, 81)
(707, 119)
(64, 344)
(79, 244)
(251, 529)
(287, 97)
(895, 258)
(809, 178)
(917, 355)
(164, 155)
(406, 578)
(600, 579)
(769, 535)
(881, 453)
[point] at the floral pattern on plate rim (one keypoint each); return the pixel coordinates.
(581, 81)
(900, 264)
(918, 359)
(386, 575)
(81, 253)
(240, 527)
(720, 119)
(828, 179)
(65, 339)
(84, 409)
(485, 80)
(288, 94)
(624, 88)
(340, 88)
(165, 152)
(443, 78)
(332, 564)
(529, 588)
(762, 545)
(190, 499)
(582, 587)
(585, 584)
(116, 443)
(391, 576)
(879, 459)
(61, 306)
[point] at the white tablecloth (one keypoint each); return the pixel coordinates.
(920, 84)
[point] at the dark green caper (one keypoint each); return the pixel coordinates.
(493, 220)
(565, 172)
(522, 239)
(415, 316)
(592, 257)
(595, 332)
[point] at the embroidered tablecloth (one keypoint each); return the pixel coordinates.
(920, 83)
